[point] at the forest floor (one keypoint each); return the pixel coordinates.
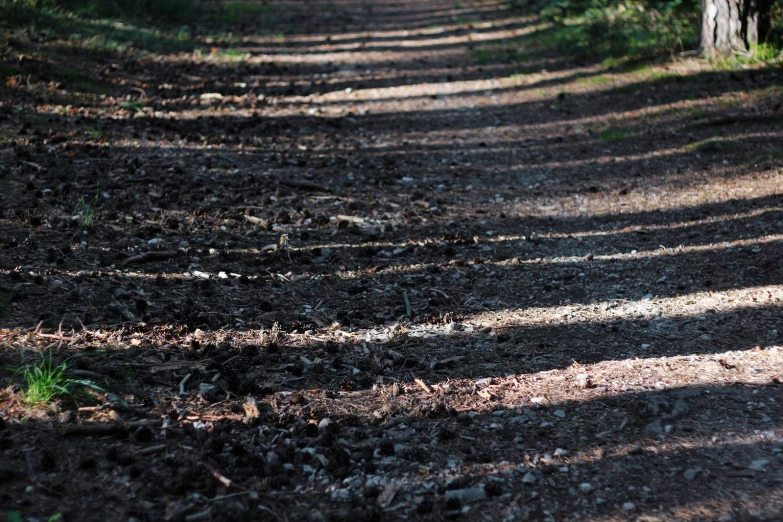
(362, 270)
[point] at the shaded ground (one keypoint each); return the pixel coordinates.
(540, 291)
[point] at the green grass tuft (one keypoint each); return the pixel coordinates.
(44, 382)
(594, 80)
(87, 210)
(708, 145)
(612, 134)
(96, 132)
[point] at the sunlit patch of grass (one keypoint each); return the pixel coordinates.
(762, 53)
(231, 55)
(594, 80)
(708, 145)
(613, 134)
(773, 91)
(659, 76)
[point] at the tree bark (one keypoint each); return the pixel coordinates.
(729, 26)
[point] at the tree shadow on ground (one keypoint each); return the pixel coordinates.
(690, 442)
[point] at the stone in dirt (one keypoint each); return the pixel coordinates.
(466, 495)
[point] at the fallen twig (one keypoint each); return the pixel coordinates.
(408, 309)
(216, 474)
(151, 450)
(182, 384)
(146, 257)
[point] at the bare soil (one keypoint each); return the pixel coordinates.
(355, 274)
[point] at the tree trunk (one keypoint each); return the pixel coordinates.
(729, 26)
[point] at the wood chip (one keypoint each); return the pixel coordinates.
(423, 385)
(263, 223)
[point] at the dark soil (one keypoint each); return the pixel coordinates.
(355, 274)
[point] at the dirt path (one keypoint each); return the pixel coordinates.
(362, 272)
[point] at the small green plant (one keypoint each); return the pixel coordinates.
(135, 105)
(44, 381)
(232, 55)
(95, 132)
(87, 209)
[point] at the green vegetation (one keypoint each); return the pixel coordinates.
(45, 382)
(764, 53)
(708, 145)
(626, 32)
(231, 55)
(95, 132)
(629, 29)
(763, 159)
(87, 210)
(135, 105)
(504, 53)
(594, 80)
(613, 134)
(78, 32)
(120, 26)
